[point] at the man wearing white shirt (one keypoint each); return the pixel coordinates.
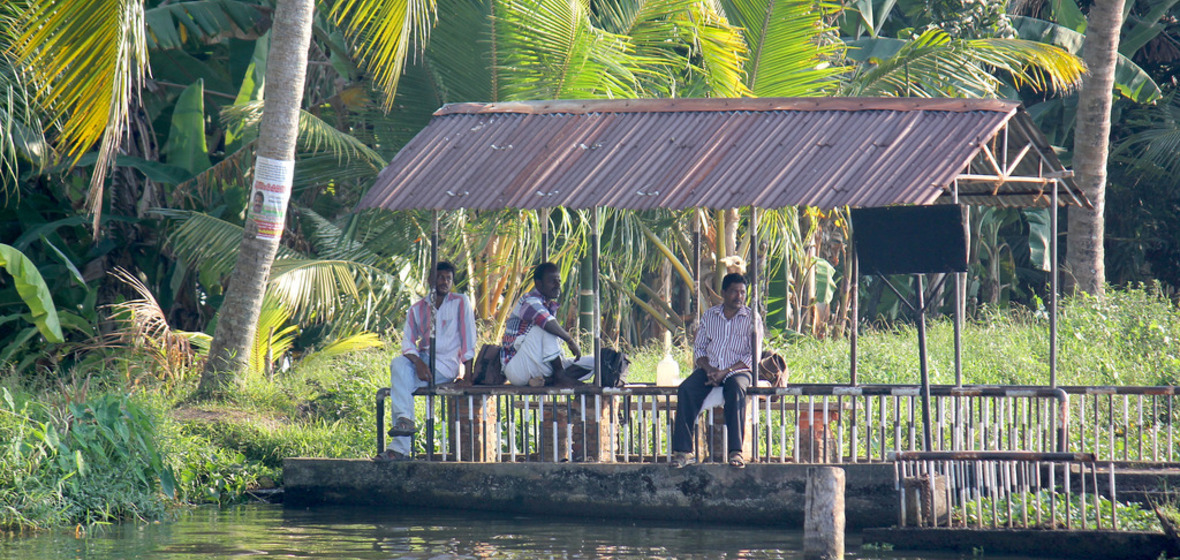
(724, 352)
(453, 320)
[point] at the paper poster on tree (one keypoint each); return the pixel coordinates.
(268, 197)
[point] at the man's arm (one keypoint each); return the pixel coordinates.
(410, 335)
(554, 328)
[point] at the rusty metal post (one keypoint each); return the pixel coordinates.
(855, 327)
(543, 217)
(1053, 291)
(430, 306)
(927, 440)
(596, 248)
(755, 297)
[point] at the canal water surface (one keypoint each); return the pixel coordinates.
(260, 531)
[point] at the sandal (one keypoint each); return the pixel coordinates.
(390, 455)
(736, 461)
(681, 459)
(403, 427)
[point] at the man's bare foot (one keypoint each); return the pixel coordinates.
(537, 381)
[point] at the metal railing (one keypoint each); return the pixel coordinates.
(998, 489)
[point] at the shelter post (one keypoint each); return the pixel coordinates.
(755, 293)
(430, 286)
(543, 216)
(960, 285)
(854, 330)
(921, 308)
(430, 306)
(1053, 291)
(696, 273)
(596, 249)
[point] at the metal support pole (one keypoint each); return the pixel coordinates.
(926, 436)
(755, 296)
(854, 330)
(543, 216)
(960, 303)
(596, 253)
(430, 287)
(696, 273)
(1053, 291)
(430, 306)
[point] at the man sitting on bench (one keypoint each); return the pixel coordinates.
(724, 355)
(530, 349)
(453, 318)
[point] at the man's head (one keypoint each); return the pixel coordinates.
(547, 279)
(733, 291)
(444, 278)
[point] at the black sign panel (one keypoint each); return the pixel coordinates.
(910, 239)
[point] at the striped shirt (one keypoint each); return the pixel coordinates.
(726, 341)
(532, 309)
(454, 333)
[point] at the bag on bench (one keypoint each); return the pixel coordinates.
(615, 366)
(487, 366)
(773, 369)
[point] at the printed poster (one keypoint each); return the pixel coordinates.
(269, 196)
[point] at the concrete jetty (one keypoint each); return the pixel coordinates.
(760, 494)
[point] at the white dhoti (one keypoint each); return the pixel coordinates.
(535, 352)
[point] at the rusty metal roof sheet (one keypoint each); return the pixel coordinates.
(718, 153)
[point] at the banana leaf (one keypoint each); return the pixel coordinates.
(33, 290)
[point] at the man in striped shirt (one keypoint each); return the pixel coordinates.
(724, 352)
(453, 320)
(530, 350)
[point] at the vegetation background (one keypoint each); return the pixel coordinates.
(127, 128)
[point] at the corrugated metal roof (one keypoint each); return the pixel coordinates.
(714, 153)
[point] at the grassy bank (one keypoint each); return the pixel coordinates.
(114, 445)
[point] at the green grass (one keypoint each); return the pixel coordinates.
(324, 406)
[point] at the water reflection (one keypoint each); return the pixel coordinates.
(338, 533)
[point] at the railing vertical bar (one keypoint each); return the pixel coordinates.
(840, 429)
(1097, 495)
(782, 429)
(1114, 503)
(1082, 476)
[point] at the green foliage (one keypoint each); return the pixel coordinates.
(88, 462)
(33, 291)
(1130, 338)
(1015, 509)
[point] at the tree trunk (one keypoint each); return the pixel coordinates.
(238, 317)
(1091, 141)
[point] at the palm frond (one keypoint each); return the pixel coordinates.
(331, 242)
(315, 135)
(1154, 149)
(172, 26)
(1131, 81)
(352, 343)
(86, 60)
(146, 329)
(680, 38)
(461, 58)
(274, 337)
(21, 136)
(320, 288)
(792, 49)
(206, 243)
(553, 52)
(382, 34)
(935, 65)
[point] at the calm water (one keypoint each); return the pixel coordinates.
(270, 531)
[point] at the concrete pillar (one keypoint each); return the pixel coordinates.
(823, 522)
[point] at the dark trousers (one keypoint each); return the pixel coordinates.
(691, 395)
